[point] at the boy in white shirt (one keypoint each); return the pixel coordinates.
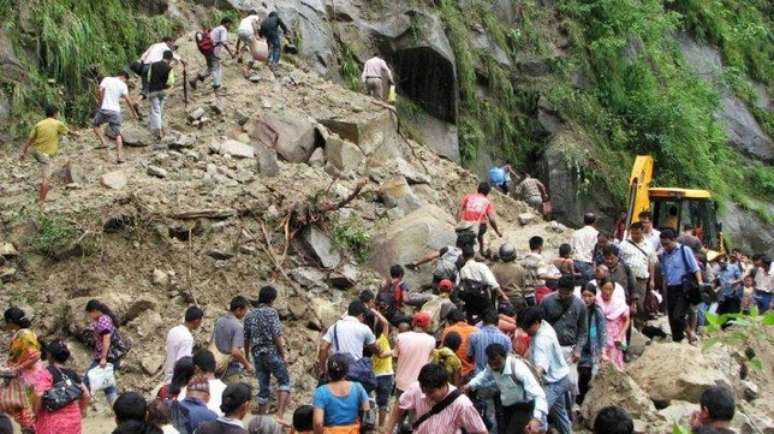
(111, 90)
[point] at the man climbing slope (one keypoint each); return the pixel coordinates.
(377, 77)
(270, 28)
(44, 140)
(111, 90)
(212, 45)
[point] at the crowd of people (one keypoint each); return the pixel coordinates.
(511, 349)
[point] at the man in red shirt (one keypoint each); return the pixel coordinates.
(477, 209)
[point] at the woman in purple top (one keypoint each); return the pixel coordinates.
(104, 323)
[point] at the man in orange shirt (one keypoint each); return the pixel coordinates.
(458, 324)
(477, 209)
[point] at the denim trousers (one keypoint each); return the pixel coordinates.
(266, 365)
(559, 400)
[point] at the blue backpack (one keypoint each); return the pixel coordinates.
(497, 176)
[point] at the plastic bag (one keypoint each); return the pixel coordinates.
(392, 96)
(101, 378)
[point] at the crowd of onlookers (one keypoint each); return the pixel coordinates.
(507, 349)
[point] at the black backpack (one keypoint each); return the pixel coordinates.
(475, 294)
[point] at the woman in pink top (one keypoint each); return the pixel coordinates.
(617, 315)
(413, 350)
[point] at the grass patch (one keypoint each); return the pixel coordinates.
(350, 69)
(351, 235)
(54, 235)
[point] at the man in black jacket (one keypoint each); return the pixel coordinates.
(160, 78)
(270, 28)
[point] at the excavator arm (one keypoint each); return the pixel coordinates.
(639, 185)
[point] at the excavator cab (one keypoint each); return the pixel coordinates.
(674, 207)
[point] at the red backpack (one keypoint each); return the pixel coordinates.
(204, 42)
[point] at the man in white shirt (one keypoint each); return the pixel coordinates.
(180, 341)
(349, 335)
(524, 403)
(583, 242)
(111, 90)
(638, 254)
(376, 77)
(219, 36)
(247, 36)
(475, 274)
(651, 234)
(546, 356)
(204, 364)
(155, 53)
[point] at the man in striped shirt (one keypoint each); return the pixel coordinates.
(432, 388)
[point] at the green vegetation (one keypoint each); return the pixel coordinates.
(352, 236)
(644, 99)
(350, 68)
(76, 41)
(54, 235)
(497, 120)
(745, 330)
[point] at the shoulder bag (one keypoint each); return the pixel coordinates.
(437, 408)
(691, 287)
(63, 392)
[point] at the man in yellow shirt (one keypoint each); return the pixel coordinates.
(44, 140)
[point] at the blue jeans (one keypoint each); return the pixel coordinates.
(266, 365)
(586, 269)
(276, 48)
(559, 400)
(762, 300)
(110, 393)
(384, 386)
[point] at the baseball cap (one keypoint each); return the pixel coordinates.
(445, 285)
(421, 319)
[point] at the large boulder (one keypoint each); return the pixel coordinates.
(321, 247)
(342, 154)
(613, 387)
(743, 130)
(749, 232)
(426, 230)
(374, 132)
(396, 193)
(683, 373)
(292, 135)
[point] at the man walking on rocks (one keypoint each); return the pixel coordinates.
(270, 29)
(155, 53)
(180, 341)
(536, 270)
(44, 140)
(477, 210)
(638, 254)
(583, 242)
(546, 356)
(219, 37)
(567, 315)
(265, 342)
(377, 77)
(678, 263)
(228, 339)
(247, 36)
(533, 192)
(478, 285)
(111, 90)
(160, 78)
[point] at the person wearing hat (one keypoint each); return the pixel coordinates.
(509, 273)
(195, 404)
(412, 351)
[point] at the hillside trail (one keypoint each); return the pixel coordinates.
(139, 249)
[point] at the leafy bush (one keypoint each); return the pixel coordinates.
(54, 234)
(76, 42)
(352, 236)
(744, 329)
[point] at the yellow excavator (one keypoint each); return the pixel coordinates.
(674, 207)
